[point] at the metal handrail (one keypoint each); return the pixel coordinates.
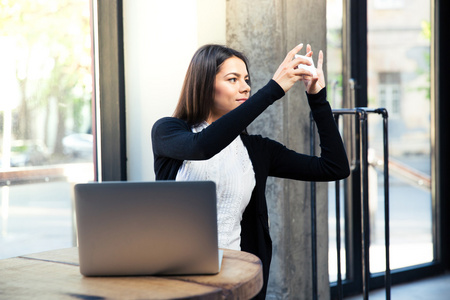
(361, 113)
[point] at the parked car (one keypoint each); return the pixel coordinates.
(78, 145)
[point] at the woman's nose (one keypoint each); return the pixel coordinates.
(245, 88)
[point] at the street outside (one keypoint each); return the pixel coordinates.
(411, 240)
(35, 217)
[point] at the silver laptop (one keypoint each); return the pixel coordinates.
(147, 228)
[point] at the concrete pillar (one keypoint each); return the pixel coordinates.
(265, 31)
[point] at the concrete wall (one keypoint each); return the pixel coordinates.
(160, 39)
(266, 31)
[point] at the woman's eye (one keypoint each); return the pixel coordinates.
(232, 79)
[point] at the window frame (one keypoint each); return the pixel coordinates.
(109, 97)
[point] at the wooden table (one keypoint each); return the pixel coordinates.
(55, 275)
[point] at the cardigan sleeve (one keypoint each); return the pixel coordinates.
(332, 164)
(172, 138)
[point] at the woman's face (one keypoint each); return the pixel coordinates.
(231, 88)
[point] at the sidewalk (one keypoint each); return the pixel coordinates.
(35, 217)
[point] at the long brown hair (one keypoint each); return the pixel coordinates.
(197, 93)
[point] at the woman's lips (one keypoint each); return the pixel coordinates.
(242, 100)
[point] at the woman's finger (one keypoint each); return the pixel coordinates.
(292, 53)
(320, 60)
(302, 72)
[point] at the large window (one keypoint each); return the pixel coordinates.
(46, 120)
(399, 80)
(397, 77)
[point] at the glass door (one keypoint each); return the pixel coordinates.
(378, 55)
(398, 78)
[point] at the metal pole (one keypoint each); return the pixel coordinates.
(364, 202)
(338, 230)
(384, 113)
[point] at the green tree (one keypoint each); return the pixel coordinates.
(52, 39)
(426, 32)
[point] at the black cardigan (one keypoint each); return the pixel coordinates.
(174, 142)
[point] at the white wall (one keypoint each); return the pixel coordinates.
(160, 38)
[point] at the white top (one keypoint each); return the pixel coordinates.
(232, 171)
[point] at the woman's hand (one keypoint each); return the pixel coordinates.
(288, 73)
(314, 84)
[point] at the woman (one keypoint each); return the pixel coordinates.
(206, 139)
